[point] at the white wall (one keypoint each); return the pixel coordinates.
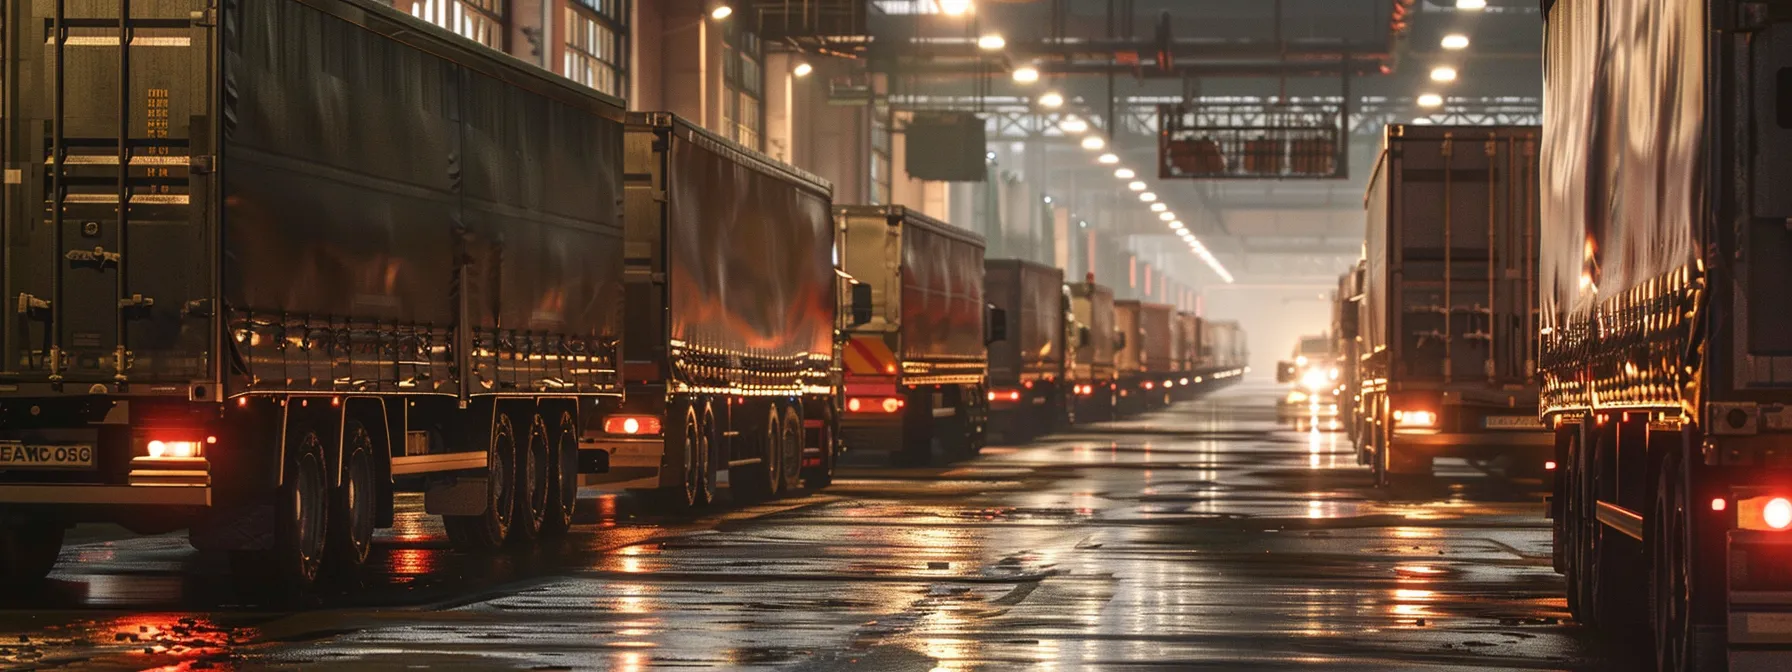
(1273, 317)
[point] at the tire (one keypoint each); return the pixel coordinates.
(563, 494)
(917, 430)
(28, 552)
(535, 474)
(754, 483)
(790, 463)
(291, 567)
(705, 473)
(822, 476)
(487, 531)
(1670, 588)
(352, 509)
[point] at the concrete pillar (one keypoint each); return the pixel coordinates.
(678, 61)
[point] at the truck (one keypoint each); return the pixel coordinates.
(729, 356)
(1029, 371)
(917, 372)
(1146, 361)
(1225, 354)
(1095, 378)
(1347, 348)
(1315, 382)
(1665, 345)
(256, 313)
(1448, 366)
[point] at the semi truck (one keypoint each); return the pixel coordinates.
(729, 354)
(1665, 344)
(1029, 370)
(1095, 378)
(255, 312)
(1146, 362)
(916, 373)
(1346, 314)
(1225, 353)
(1448, 305)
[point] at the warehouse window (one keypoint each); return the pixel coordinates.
(743, 79)
(595, 54)
(481, 21)
(880, 181)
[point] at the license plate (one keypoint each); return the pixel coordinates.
(1514, 422)
(14, 455)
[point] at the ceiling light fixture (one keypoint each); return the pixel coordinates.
(1109, 159)
(1455, 41)
(802, 70)
(721, 12)
(1430, 100)
(1167, 217)
(1147, 197)
(1026, 75)
(1094, 142)
(1125, 174)
(1443, 73)
(1159, 207)
(991, 42)
(955, 7)
(1073, 124)
(1052, 99)
(1136, 185)
(1473, 5)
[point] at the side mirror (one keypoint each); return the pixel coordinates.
(861, 303)
(998, 325)
(1285, 372)
(1082, 337)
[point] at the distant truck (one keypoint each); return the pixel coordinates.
(1225, 352)
(1147, 363)
(1315, 381)
(1095, 378)
(1666, 339)
(729, 353)
(1447, 311)
(1029, 371)
(1346, 346)
(306, 302)
(916, 373)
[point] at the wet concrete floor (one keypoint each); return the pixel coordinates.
(1201, 537)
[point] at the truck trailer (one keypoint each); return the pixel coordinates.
(916, 373)
(1225, 354)
(256, 312)
(1448, 305)
(1666, 347)
(1029, 370)
(729, 355)
(1095, 379)
(1146, 362)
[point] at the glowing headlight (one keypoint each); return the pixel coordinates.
(1313, 379)
(1334, 373)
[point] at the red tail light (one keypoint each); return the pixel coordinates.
(633, 425)
(875, 404)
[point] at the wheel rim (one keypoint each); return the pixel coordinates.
(693, 436)
(1672, 631)
(539, 471)
(308, 510)
(774, 453)
(360, 498)
(504, 497)
(569, 467)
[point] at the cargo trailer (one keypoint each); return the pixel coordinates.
(1095, 379)
(1666, 349)
(256, 311)
(916, 373)
(1147, 364)
(1029, 370)
(1448, 362)
(729, 356)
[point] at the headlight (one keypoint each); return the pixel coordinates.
(1313, 379)
(1300, 360)
(1296, 397)
(1415, 419)
(1334, 373)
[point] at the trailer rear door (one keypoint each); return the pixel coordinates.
(110, 261)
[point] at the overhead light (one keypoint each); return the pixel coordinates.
(1471, 4)
(1074, 125)
(721, 12)
(1109, 159)
(955, 7)
(1052, 99)
(1125, 174)
(1422, 121)
(1167, 217)
(1136, 186)
(1084, 224)
(991, 42)
(1048, 200)
(1177, 225)
(1455, 41)
(1026, 75)
(1094, 142)
(1147, 197)
(1430, 100)
(803, 70)
(1443, 73)
(1159, 207)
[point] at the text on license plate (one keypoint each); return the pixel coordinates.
(22, 456)
(1514, 422)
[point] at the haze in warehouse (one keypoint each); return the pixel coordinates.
(906, 335)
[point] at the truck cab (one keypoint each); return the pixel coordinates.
(1314, 377)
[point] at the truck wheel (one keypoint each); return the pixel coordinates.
(822, 476)
(753, 483)
(563, 494)
(350, 535)
(917, 430)
(486, 531)
(706, 462)
(301, 526)
(1671, 590)
(690, 444)
(535, 472)
(791, 462)
(28, 552)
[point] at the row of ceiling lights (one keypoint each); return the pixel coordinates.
(1444, 74)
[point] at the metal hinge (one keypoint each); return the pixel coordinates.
(135, 305)
(202, 164)
(33, 306)
(98, 255)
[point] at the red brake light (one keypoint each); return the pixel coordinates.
(875, 404)
(632, 425)
(892, 404)
(1719, 504)
(853, 405)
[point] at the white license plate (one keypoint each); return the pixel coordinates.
(1514, 422)
(14, 455)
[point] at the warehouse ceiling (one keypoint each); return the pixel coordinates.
(1114, 61)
